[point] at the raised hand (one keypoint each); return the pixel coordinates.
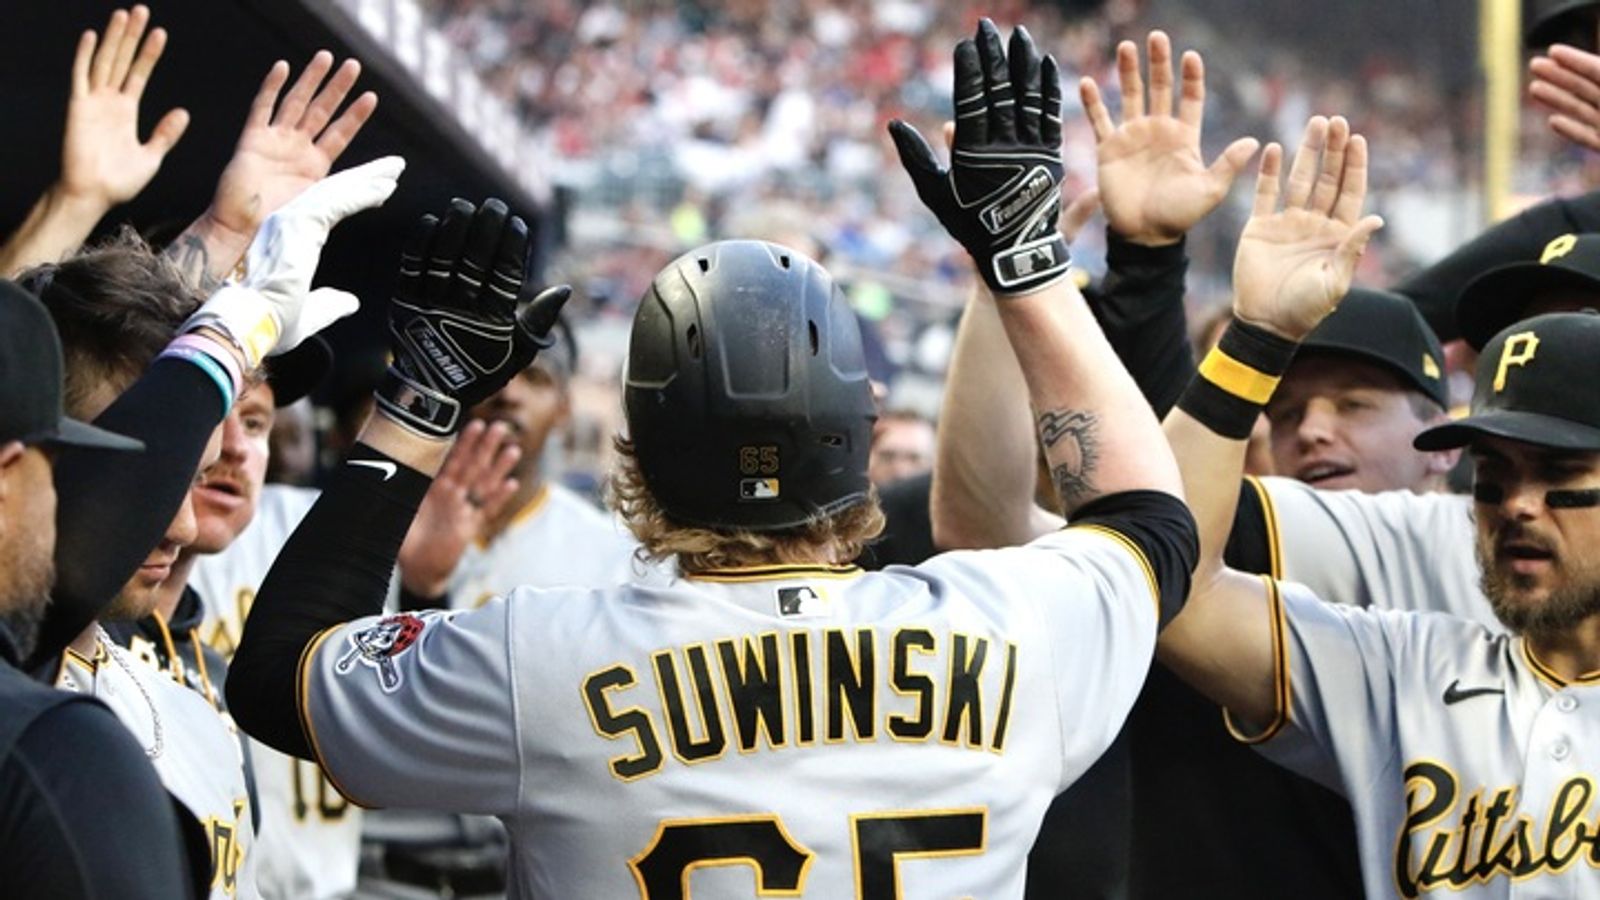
(1001, 196)
(1567, 82)
(458, 326)
(1295, 264)
(273, 308)
(102, 159)
(469, 491)
(286, 146)
(1153, 182)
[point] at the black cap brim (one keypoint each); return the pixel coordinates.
(297, 373)
(1528, 427)
(1500, 297)
(73, 433)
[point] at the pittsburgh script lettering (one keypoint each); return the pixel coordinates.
(1448, 841)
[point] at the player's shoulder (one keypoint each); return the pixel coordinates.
(1424, 633)
(1291, 494)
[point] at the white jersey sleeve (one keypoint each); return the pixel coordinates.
(1095, 594)
(1394, 550)
(417, 710)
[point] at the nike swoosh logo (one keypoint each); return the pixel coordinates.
(387, 468)
(1455, 693)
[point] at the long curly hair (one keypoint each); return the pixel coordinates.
(834, 539)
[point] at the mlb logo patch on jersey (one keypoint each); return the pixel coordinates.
(803, 602)
(376, 647)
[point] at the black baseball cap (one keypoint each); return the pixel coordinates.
(1534, 383)
(30, 380)
(297, 373)
(1500, 296)
(1558, 21)
(1386, 329)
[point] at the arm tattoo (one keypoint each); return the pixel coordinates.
(1077, 433)
(193, 260)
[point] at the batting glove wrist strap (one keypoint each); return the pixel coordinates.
(416, 406)
(1001, 196)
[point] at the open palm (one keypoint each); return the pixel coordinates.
(102, 157)
(1295, 264)
(282, 152)
(1154, 184)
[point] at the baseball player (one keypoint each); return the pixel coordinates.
(1462, 752)
(773, 722)
(544, 534)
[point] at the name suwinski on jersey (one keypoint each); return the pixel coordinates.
(1450, 842)
(794, 689)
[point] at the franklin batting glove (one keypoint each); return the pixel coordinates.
(458, 326)
(1001, 196)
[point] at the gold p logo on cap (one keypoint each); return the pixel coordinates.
(1518, 351)
(1557, 248)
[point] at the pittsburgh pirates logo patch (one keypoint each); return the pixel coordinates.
(378, 645)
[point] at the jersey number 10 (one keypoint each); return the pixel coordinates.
(880, 840)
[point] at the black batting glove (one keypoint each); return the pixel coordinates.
(458, 327)
(1001, 196)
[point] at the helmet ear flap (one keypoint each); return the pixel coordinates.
(746, 391)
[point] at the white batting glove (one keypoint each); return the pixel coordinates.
(272, 308)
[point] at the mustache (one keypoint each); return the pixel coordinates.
(1523, 536)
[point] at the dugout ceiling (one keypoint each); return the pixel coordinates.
(216, 56)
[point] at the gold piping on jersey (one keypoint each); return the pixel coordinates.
(308, 658)
(528, 511)
(742, 574)
(1551, 676)
(1133, 548)
(1280, 673)
(174, 663)
(1269, 515)
(755, 702)
(93, 665)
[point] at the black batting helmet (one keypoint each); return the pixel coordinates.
(747, 396)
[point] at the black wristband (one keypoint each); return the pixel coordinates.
(1237, 378)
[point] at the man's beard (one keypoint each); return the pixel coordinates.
(26, 600)
(1559, 612)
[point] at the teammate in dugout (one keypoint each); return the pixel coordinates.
(1465, 754)
(773, 721)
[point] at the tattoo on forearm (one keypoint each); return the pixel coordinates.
(193, 260)
(1072, 444)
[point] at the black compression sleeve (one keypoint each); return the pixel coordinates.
(1162, 527)
(1252, 542)
(1140, 309)
(82, 806)
(112, 508)
(335, 568)
(1518, 239)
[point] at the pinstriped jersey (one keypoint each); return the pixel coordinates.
(804, 731)
(1471, 766)
(193, 750)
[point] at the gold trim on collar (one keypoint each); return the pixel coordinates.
(774, 573)
(1550, 676)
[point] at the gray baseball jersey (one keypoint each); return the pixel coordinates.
(1469, 764)
(191, 747)
(803, 731)
(309, 847)
(558, 538)
(1394, 550)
